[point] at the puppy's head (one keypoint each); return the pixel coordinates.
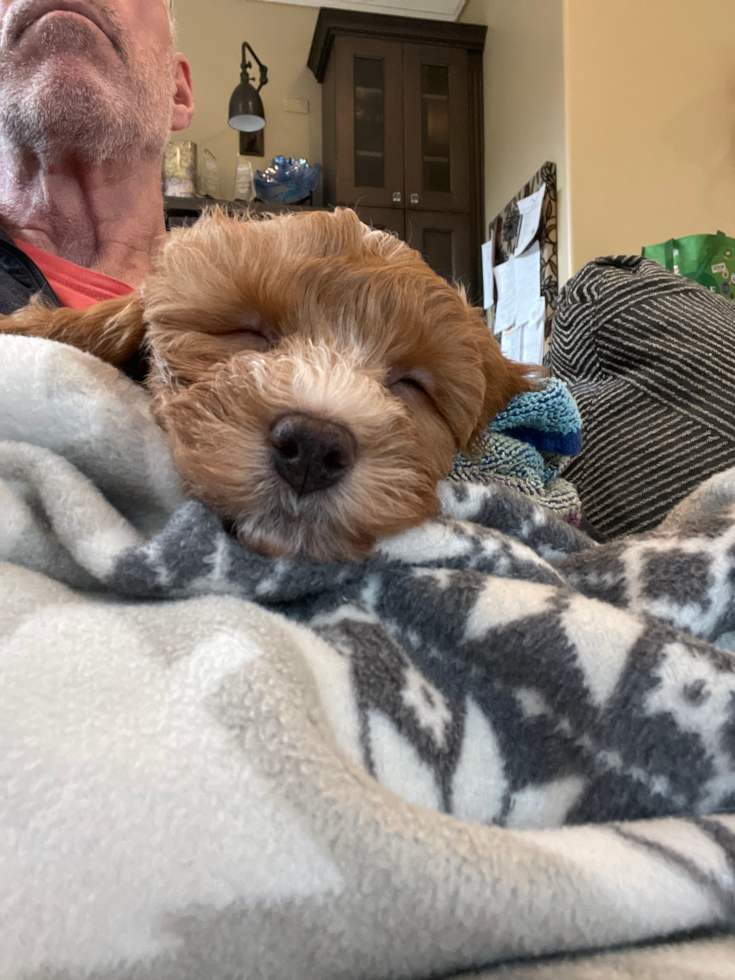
(316, 378)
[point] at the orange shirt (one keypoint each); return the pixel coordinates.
(75, 286)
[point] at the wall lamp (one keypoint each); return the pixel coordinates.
(246, 107)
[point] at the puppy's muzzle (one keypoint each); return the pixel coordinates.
(311, 453)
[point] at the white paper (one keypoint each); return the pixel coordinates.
(488, 283)
(505, 311)
(510, 343)
(527, 274)
(530, 208)
(532, 341)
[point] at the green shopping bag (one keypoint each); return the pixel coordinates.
(707, 259)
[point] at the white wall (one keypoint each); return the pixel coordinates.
(211, 35)
(524, 101)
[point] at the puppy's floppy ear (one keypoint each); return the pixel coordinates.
(112, 329)
(504, 380)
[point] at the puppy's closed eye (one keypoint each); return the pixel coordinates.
(410, 385)
(247, 339)
(189, 354)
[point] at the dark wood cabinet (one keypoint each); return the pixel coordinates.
(443, 238)
(384, 219)
(402, 130)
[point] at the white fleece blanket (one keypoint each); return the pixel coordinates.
(186, 784)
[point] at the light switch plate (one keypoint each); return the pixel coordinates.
(296, 105)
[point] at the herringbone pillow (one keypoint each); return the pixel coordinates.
(650, 358)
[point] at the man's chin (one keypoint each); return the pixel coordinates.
(64, 35)
(65, 62)
(59, 78)
(67, 106)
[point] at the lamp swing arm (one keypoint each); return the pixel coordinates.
(247, 65)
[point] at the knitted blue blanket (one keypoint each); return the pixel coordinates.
(527, 446)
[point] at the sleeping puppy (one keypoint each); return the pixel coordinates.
(315, 377)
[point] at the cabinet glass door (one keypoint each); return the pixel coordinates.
(435, 149)
(369, 94)
(436, 113)
(370, 118)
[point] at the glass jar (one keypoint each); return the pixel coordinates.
(180, 169)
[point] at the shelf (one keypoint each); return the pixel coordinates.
(192, 206)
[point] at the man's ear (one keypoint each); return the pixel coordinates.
(183, 93)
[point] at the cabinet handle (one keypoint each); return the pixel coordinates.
(414, 199)
(396, 197)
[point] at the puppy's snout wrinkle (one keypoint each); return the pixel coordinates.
(311, 453)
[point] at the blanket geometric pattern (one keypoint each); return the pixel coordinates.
(507, 697)
(221, 763)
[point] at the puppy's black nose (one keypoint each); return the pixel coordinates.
(310, 453)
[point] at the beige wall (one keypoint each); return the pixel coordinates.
(524, 101)
(211, 36)
(650, 121)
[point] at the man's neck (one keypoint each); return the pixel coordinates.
(107, 218)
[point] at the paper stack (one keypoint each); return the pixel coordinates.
(521, 309)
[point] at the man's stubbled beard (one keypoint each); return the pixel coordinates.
(57, 106)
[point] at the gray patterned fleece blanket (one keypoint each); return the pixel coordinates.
(491, 742)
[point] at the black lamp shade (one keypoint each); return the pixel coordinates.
(246, 109)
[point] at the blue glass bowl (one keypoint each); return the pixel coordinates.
(286, 180)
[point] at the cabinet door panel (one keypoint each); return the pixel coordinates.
(436, 133)
(444, 240)
(369, 122)
(384, 219)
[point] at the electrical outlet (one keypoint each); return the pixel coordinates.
(296, 105)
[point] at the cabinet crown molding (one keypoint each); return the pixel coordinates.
(446, 10)
(334, 21)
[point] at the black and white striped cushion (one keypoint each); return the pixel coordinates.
(650, 358)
